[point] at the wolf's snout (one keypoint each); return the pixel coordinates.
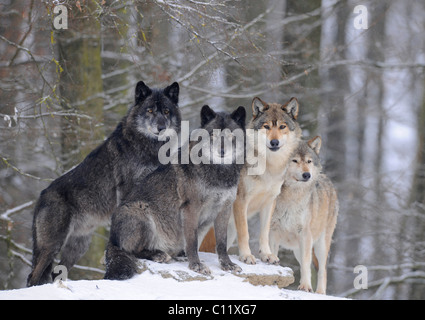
(274, 143)
(161, 126)
(306, 176)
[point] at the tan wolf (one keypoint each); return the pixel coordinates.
(257, 193)
(306, 213)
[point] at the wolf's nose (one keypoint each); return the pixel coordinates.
(274, 143)
(161, 127)
(306, 175)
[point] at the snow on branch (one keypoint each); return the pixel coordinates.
(5, 215)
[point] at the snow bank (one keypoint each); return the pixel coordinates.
(174, 281)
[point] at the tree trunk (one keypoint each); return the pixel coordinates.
(81, 89)
(417, 201)
(80, 84)
(418, 186)
(333, 100)
(308, 43)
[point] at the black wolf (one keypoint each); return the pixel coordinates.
(75, 204)
(176, 205)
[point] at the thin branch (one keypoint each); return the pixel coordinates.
(25, 35)
(198, 35)
(31, 56)
(371, 64)
(200, 13)
(251, 94)
(215, 54)
(28, 175)
(385, 282)
(411, 265)
(49, 114)
(5, 215)
(29, 251)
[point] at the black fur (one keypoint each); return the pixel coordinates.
(70, 209)
(174, 206)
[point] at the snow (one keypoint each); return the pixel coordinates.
(171, 281)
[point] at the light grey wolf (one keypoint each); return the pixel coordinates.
(306, 213)
(278, 129)
(168, 211)
(75, 204)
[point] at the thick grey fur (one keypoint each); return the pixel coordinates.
(75, 204)
(171, 209)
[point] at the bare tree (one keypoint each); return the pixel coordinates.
(63, 91)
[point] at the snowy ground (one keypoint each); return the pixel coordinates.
(172, 281)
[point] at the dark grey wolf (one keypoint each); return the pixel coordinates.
(257, 193)
(306, 213)
(76, 203)
(169, 210)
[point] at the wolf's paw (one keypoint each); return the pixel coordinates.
(230, 266)
(320, 291)
(161, 257)
(200, 267)
(305, 287)
(247, 258)
(269, 258)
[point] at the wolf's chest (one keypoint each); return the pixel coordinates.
(261, 190)
(290, 215)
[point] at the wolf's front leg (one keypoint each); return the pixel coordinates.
(240, 208)
(220, 229)
(190, 228)
(266, 213)
(305, 257)
(321, 250)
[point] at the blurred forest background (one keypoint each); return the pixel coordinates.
(363, 90)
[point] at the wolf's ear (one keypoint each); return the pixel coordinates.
(172, 91)
(142, 92)
(258, 106)
(315, 143)
(239, 116)
(207, 114)
(292, 107)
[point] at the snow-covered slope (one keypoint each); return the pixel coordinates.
(175, 281)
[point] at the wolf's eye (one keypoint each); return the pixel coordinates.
(309, 161)
(282, 126)
(266, 126)
(166, 111)
(150, 110)
(294, 160)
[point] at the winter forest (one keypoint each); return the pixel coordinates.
(356, 67)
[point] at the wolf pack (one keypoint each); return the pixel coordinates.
(162, 211)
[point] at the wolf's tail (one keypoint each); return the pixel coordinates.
(120, 265)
